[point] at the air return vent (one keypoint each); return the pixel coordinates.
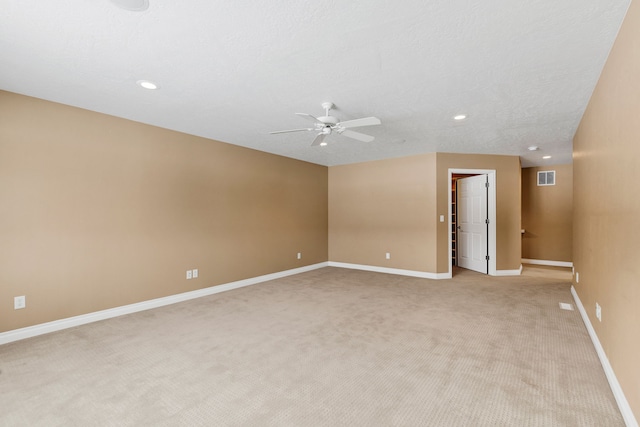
(547, 178)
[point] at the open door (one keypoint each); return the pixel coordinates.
(473, 223)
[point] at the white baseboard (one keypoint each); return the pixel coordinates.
(414, 273)
(623, 404)
(547, 262)
(70, 322)
(398, 271)
(509, 272)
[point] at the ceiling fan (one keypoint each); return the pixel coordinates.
(327, 124)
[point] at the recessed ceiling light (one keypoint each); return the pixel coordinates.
(546, 157)
(460, 117)
(147, 84)
(132, 5)
(533, 148)
(323, 144)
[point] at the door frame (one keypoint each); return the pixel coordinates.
(491, 213)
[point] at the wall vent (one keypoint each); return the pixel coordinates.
(547, 178)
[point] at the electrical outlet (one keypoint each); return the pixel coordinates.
(388, 255)
(189, 274)
(599, 312)
(577, 277)
(194, 273)
(441, 218)
(19, 302)
(299, 255)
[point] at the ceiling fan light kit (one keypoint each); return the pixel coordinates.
(325, 125)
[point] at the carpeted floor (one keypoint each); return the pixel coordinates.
(331, 347)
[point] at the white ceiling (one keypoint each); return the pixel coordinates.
(233, 71)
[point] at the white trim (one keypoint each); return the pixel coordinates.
(491, 212)
(56, 325)
(547, 262)
(398, 271)
(623, 404)
(508, 272)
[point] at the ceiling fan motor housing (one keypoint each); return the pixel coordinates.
(329, 120)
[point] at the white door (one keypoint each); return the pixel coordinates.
(472, 223)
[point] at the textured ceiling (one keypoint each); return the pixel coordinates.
(233, 71)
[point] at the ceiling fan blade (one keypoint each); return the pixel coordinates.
(357, 135)
(318, 139)
(367, 121)
(290, 130)
(310, 117)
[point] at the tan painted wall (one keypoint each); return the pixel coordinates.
(98, 212)
(606, 173)
(547, 215)
(508, 206)
(384, 206)
(393, 206)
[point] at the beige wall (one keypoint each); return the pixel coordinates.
(98, 212)
(606, 173)
(384, 206)
(547, 215)
(393, 206)
(508, 207)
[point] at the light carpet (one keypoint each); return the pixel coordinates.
(330, 347)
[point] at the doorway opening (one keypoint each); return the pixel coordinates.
(454, 215)
(454, 220)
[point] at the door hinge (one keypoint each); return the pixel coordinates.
(486, 221)
(486, 184)
(487, 257)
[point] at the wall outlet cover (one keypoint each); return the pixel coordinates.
(19, 302)
(195, 273)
